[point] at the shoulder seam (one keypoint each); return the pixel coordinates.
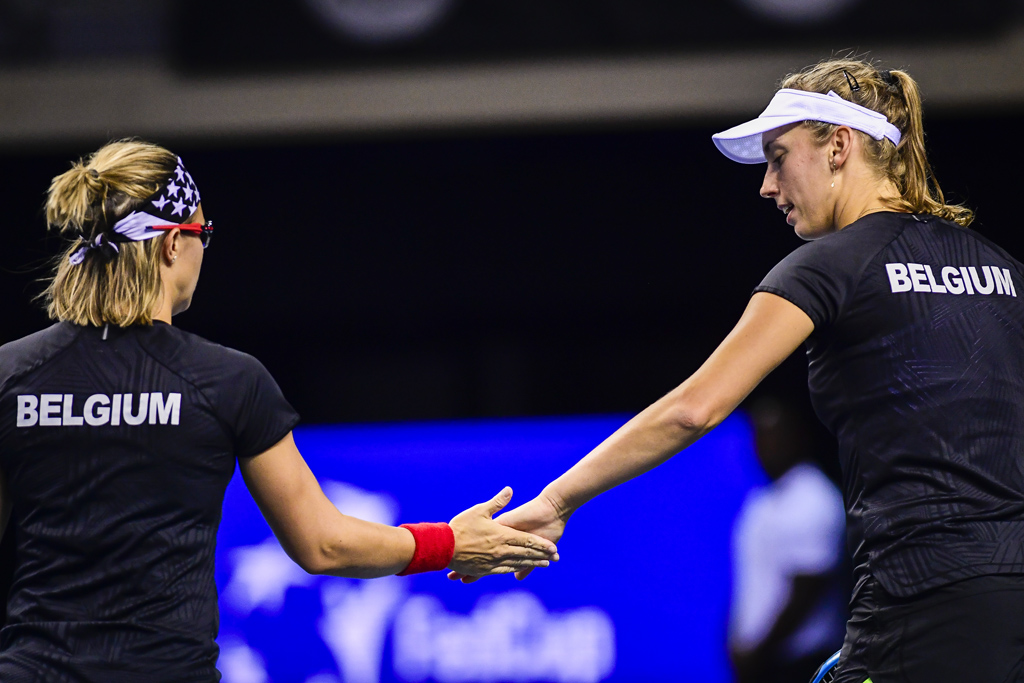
(10, 380)
(209, 403)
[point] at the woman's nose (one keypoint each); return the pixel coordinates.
(768, 186)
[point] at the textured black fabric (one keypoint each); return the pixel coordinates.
(965, 632)
(116, 522)
(921, 378)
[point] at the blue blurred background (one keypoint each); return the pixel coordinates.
(641, 594)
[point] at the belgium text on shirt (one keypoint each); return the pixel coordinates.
(919, 277)
(59, 410)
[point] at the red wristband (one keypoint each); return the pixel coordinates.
(435, 547)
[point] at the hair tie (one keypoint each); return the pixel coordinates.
(101, 243)
(94, 173)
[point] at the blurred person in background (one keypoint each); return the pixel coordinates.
(789, 587)
(119, 434)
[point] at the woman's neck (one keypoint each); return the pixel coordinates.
(164, 309)
(865, 198)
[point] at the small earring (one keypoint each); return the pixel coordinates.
(833, 173)
(175, 258)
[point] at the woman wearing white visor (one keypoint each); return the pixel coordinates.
(914, 332)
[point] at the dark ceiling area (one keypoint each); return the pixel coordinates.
(303, 33)
(478, 276)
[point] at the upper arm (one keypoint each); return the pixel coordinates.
(769, 330)
(308, 525)
(287, 494)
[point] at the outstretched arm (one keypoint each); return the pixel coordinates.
(321, 540)
(770, 329)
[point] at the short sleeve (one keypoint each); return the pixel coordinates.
(254, 407)
(816, 278)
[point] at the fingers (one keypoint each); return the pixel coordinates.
(531, 542)
(494, 505)
(456, 576)
(523, 573)
(520, 566)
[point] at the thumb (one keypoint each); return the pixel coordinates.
(494, 505)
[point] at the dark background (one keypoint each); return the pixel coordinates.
(452, 276)
(294, 35)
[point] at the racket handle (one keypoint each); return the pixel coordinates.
(826, 672)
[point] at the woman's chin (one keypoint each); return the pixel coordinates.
(810, 232)
(182, 306)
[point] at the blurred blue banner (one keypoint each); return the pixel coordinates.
(640, 594)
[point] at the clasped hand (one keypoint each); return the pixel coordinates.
(538, 523)
(483, 546)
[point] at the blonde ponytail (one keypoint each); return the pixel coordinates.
(120, 287)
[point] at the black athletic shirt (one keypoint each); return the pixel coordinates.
(117, 453)
(916, 364)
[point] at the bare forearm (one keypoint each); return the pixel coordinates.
(649, 439)
(358, 549)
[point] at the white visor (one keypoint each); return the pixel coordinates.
(742, 143)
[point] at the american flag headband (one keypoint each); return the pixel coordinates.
(171, 205)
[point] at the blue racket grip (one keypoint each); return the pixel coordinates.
(826, 668)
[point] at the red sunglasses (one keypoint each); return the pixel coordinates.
(204, 231)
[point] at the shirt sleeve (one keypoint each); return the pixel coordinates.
(815, 279)
(252, 404)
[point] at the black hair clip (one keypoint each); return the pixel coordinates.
(851, 81)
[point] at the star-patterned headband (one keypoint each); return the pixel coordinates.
(172, 204)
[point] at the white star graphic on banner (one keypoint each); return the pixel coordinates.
(180, 172)
(179, 207)
(161, 203)
(188, 192)
(172, 190)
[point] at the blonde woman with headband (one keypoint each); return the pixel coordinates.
(913, 326)
(119, 433)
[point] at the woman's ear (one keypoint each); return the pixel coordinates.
(171, 246)
(840, 146)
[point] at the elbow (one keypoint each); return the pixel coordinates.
(690, 418)
(320, 559)
(338, 560)
(311, 562)
(328, 559)
(314, 564)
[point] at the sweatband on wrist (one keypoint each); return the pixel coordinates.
(435, 547)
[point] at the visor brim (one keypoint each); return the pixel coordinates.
(743, 144)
